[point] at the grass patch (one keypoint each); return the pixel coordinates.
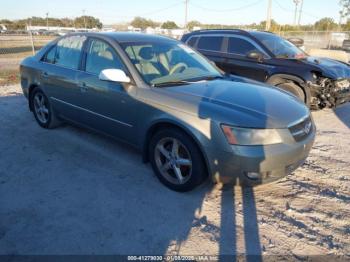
(9, 77)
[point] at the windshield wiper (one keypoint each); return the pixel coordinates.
(170, 83)
(209, 78)
(283, 56)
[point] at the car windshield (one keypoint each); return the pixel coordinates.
(280, 47)
(169, 62)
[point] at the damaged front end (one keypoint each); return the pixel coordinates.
(326, 92)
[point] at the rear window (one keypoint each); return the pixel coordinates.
(211, 43)
(192, 41)
(239, 46)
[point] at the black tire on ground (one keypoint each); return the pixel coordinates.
(198, 173)
(52, 120)
(294, 90)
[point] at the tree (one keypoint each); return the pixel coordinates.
(325, 24)
(274, 26)
(169, 25)
(345, 9)
(143, 23)
(89, 21)
(192, 24)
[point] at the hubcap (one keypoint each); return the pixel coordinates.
(173, 160)
(41, 108)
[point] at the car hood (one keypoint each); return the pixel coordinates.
(238, 103)
(330, 68)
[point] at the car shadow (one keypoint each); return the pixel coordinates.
(342, 112)
(73, 191)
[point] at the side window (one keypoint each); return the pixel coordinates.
(239, 46)
(69, 51)
(101, 56)
(212, 43)
(50, 55)
(192, 41)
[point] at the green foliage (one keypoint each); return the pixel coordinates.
(143, 23)
(345, 4)
(91, 22)
(192, 24)
(326, 24)
(169, 25)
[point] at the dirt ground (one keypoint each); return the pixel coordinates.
(70, 191)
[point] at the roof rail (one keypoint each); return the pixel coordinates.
(221, 30)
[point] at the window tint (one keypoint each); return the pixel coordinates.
(239, 46)
(192, 41)
(101, 56)
(69, 50)
(50, 56)
(212, 43)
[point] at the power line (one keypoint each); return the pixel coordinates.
(292, 11)
(161, 9)
(226, 10)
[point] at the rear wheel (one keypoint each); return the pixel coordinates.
(294, 90)
(42, 109)
(176, 160)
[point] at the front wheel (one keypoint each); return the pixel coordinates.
(294, 90)
(42, 109)
(176, 160)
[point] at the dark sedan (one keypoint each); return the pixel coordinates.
(155, 93)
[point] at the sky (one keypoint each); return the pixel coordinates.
(238, 12)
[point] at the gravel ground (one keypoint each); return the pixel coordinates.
(70, 191)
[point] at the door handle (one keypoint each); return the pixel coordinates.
(44, 74)
(83, 87)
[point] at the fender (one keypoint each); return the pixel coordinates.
(278, 79)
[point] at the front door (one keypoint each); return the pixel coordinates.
(109, 106)
(238, 63)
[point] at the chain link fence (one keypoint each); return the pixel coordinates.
(14, 47)
(319, 39)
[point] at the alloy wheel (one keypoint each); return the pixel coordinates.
(173, 160)
(41, 107)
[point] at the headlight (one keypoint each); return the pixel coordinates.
(252, 137)
(342, 84)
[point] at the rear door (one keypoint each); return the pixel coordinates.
(236, 60)
(212, 47)
(58, 75)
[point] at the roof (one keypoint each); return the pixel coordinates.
(226, 31)
(133, 37)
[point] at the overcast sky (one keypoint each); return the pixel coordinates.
(205, 11)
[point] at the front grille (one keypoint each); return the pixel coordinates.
(301, 130)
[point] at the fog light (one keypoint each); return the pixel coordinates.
(253, 175)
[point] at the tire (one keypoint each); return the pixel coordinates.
(192, 175)
(294, 90)
(43, 112)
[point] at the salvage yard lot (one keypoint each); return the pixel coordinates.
(70, 191)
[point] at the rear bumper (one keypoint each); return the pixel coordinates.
(269, 163)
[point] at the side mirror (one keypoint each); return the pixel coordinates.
(114, 75)
(256, 55)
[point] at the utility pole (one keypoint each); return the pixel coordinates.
(300, 11)
(268, 18)
(47, 21)
(296, 2)
(186, 13)
(84, 18)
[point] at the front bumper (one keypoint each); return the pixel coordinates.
(328, 95)
(270, 162)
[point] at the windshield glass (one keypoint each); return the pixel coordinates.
(280, 47)
(163, 62)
